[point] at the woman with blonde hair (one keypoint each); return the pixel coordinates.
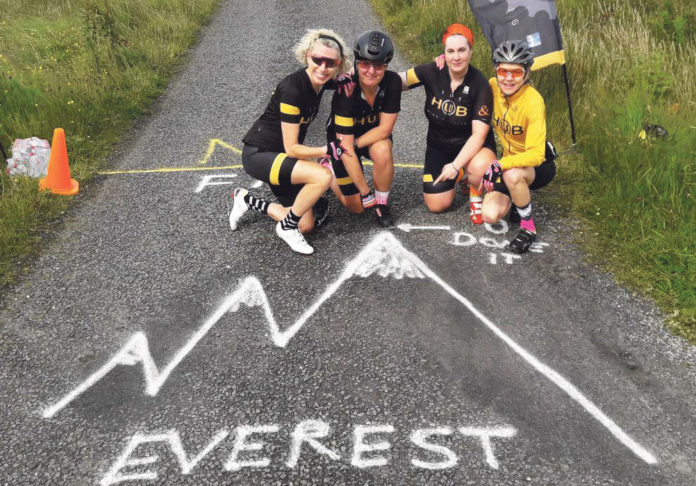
(274, 150)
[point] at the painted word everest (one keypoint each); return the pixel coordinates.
(370, 448)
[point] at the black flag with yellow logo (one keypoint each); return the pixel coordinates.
(533, 21)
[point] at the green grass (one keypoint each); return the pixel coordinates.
(629, 65)
(90, 67)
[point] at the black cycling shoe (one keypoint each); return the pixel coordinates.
(320, 211)
(514, 216)
(523, 241)
(383, 215)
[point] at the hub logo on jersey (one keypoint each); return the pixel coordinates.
(506, 127)
(366, 120)
(448, 107)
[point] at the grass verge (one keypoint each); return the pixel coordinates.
(90, 67)
(629, 65)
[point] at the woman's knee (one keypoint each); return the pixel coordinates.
(439, 205)
(491, 215)
(495, 207)
(514, 177)
(324, 177)
(381, 153)
(480, 163)
(353, 206)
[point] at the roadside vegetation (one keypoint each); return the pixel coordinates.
(90, 67)
(630, 64)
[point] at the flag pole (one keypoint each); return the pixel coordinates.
(570, 105)
(2, 150)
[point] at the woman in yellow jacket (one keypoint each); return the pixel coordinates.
(519, 120)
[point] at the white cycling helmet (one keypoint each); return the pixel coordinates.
(514, 52)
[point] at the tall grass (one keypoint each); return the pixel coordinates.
(629, 65)
(90, 67)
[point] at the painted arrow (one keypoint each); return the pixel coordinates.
(407, 227)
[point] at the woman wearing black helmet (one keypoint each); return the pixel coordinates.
(458, 106)
(528, 159)
(365, 121)
(273, 148)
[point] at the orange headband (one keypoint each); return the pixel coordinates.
(461, 30)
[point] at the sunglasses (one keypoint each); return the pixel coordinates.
(366, 65)
(515, 73)
(330, 62)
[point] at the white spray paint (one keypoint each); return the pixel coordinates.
(240, 444)
(538, 247)
(499, 228)
(210, 180)
(407, 227)
(420, 438)
(485, 435)
(508, 258)
(360, 447)
(172, 438)
(384, 256)
(308, 432)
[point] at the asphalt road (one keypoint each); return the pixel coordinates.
(151, 345)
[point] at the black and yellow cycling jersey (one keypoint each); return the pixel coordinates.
(520, 123)
(293, 101)
(354, 115)
(451, 114)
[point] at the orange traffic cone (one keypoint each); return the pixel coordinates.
(58, 179)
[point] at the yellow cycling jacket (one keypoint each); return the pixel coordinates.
(520, 123)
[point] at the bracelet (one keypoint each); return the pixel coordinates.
(454, 166)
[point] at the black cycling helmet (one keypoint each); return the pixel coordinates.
(514, 52)
(374, 45)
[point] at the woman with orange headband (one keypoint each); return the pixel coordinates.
(458, 105)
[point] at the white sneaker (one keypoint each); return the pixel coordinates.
(238, 208)
(294, 239)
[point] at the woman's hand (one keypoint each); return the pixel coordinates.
(440, 61)
(449, 172)
(345, 84)
(335, 149)
(493, 176)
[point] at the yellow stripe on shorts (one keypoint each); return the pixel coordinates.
(289, 109)
(343, 121)
(275, 169)
(411, 77)
(344, 181)
(427, 178)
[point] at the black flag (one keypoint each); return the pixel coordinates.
(533, 21)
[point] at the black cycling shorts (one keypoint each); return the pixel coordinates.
(436, 157)
(345, 183)
(543, 174)
(273, 168)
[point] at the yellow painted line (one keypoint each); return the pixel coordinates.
(167, 170)
(214, 142)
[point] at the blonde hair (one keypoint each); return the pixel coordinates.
(311, 37)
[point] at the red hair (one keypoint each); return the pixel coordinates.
(461, 30)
